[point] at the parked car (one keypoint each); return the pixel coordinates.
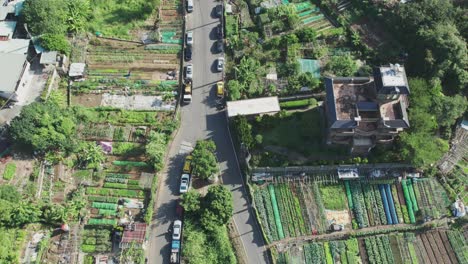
(189, 6)
(219, 11)
(188, 53)
(220, 89)
(184, 183)
(219, 45)
(189, 38)
(219, 31)
(189, 72)
(220, 65)
(187, 164)
(177, 230)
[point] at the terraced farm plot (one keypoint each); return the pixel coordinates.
(311, 16)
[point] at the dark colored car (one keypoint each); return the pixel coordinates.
(219, 45)
(219, 31)
(219, 10)
(188, 53)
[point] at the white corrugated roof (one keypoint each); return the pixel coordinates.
(7, 28)
(16, 46)
(5, 10)
(76, 69)
(253, 106)
(11, 68)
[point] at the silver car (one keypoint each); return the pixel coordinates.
(189, 38)
(189, 72)
(177, 231)
(184, 183)
(220, 65)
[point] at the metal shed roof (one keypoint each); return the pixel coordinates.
(134, 233)
(48, 57)
(76, 69)
(11, 67)
(253, 106)
(16, 46)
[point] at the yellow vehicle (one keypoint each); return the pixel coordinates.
(220, 89)
(188, 164)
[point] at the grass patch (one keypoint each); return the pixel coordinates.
(304, 103)
(116, 18)
(333, 197)
(9, 172)
(301, 132)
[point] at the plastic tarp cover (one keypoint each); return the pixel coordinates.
(276, 211)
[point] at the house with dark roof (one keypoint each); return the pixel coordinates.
(365, 111)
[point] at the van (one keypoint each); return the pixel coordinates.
(189, 6)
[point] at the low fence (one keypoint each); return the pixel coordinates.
(381, 170)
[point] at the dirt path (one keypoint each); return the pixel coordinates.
(40, 181)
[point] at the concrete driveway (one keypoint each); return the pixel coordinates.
(201, 120)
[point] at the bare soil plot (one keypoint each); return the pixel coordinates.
(439, 244)
(423, 256)
(424, 243)
(362, 251)
(448, 248)
(87, 100)
(371, 33)
(341, 217)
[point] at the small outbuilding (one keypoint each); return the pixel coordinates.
(134, 234)
(49, 58)
(251, 107)
(77, 70)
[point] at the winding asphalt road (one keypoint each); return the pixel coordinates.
(201, 120)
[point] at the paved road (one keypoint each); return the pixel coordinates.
(201, 120)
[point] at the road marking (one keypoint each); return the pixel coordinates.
(185, 147)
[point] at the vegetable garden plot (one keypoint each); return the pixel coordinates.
(96, 131)
(291, 210)
(431, 197)
(342, 251)
(377, 203)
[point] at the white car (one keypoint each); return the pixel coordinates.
(189, 72)
(220, 65)
(189, 38)
(184, 183)
(177, 230)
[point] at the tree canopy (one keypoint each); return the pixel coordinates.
(342, 66)
(429, 111)
(44, 127)
(217, 207)
(431, 31)
(46, 16)
(204, 161)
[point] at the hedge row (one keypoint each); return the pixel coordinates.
(298, 103)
